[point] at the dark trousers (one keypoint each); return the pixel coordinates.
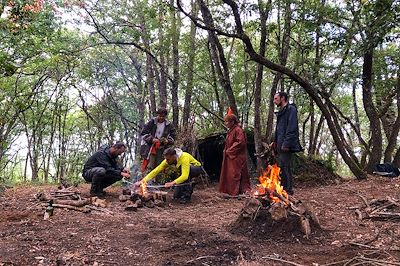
(185, 189)
(97, 176)
(284, 162)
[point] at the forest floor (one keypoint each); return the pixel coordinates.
(199, 233)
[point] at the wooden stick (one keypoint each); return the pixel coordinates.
(359, 214)
(350, 261)
(380, 261)
(364, 200)
(64, 192)
(199, 258)
(76, 203)
(285, 261)
(99, 209)
(336, 262)
(382, 207)
(69, 207)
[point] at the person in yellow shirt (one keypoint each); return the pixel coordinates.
(189, 168)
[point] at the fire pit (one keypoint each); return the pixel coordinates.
(141, 196)
(275, 207)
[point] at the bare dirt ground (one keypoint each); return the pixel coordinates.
(199, 233)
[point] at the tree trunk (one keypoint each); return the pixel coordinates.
(312, 128)
(313, 150)
(214, 82)
(150, 75)
(372, 113)
(257, 89)
(392, 141)
(283, 45)
(164, 47)
(219, 57)
(175, 33)
(191, 57)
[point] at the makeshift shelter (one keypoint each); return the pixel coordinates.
(210, 152)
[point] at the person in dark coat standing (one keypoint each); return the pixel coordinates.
(157, 135)
(234, 179)
(102, 169)
(286, 138)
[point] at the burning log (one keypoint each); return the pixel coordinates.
(143, 197)
(274, 203)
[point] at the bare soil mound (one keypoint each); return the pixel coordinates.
(311, 172)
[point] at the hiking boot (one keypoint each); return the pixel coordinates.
(184, 200)
(126, 191)
(96, 192)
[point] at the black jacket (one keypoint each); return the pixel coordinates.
(149, 131)
(287, 129)
(102, 158)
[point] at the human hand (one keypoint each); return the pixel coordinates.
(155, 140)
(125, 174)
(169, 184)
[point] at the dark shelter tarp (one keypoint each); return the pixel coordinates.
(211, 152)
(386, 169)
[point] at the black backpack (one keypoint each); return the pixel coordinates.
(386, 169)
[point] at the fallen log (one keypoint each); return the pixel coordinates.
(95, 201)
(131, 207)
(76, 203)
(69, 207)
(99, 209)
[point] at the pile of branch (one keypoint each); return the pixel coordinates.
(374, 258)
(72, 200)
(378, 209)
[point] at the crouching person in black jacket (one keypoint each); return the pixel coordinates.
(102, 169)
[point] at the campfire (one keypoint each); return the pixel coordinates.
(270, 188)
(141, 196)
(271, 199)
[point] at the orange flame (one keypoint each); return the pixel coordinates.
(270, 182)
(143, 187)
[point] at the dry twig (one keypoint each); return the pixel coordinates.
(281, 260)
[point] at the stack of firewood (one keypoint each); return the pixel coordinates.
(280, 211)
(378, 209)
(72, 200)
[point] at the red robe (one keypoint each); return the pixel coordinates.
(234, 178)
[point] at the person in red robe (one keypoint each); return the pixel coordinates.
(234, 179)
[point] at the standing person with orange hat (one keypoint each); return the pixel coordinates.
(234, 178)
